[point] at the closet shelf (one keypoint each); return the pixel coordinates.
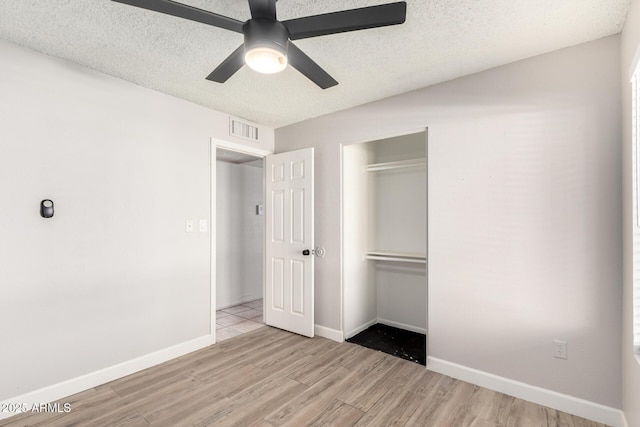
(401, 164)
(396, 256)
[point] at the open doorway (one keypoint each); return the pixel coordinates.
(239, 242)
(384, 215)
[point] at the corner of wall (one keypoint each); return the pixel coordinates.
(332, 334)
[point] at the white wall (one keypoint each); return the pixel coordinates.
(384, 211)
(401, 294)
(239, 233)
(524, 215)
(112, 276)
(630, 49)
(360, 293)
(399, 224)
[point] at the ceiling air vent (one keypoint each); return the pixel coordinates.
(242, 130)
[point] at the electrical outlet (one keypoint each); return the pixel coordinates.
(560, 349)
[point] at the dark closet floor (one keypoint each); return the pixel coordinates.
(394, 341)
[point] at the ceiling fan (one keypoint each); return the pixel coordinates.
(267, 44)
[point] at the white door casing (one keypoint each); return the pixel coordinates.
(289, 289)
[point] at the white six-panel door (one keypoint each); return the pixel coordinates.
(289, 216)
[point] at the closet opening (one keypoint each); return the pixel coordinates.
(239, 240)
(385, 245)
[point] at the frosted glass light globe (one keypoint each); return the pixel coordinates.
(265, 60)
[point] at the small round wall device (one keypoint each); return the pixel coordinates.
(46, 208)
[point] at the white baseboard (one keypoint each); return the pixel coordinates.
(402, 326)
(360, 328)
(332, 334)
(406, 327)
(562, 402)
(103, 376)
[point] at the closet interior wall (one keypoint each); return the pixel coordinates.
(385, 234)
(239, 233)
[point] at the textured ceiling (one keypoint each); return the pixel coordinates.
(441, 40)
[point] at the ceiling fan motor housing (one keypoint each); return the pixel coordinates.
(265, 33)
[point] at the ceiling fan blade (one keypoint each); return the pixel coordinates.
(347, 20)
(265, 9)
(229, 66)
(301, 62)
(187, 12)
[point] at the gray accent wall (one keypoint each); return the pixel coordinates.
(630, 50)
(524, 208)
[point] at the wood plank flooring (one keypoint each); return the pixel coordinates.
(269, 377)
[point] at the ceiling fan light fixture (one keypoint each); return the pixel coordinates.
(266, 43)
(266, 60)
(267, 47)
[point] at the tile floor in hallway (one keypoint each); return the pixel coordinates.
(237, 320)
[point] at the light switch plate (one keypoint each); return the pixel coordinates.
(203, 225)
(188, 227)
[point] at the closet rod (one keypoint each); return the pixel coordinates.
(397, 257)
(402, 164)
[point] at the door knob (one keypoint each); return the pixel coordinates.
(306, 252)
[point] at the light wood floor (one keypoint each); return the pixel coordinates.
(268, 377)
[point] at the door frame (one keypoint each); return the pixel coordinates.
(363, 140)
(256, 152)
